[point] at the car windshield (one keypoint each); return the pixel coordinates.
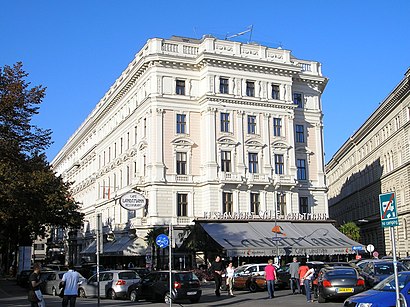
(186, 276)
(127, 275)
(348, 272)
(389, 284)
(241, 269)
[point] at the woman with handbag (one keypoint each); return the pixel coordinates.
(34, 294)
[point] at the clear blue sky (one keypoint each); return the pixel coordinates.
(78, 48)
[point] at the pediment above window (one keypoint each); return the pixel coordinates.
(182, 142)
(254, 143)
(281, 145)
(142, 145)
(228, 142)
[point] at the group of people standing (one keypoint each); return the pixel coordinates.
(69, 284)
(301, 277)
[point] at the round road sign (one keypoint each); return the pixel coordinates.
(370, 248)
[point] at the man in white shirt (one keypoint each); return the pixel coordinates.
(70, 281)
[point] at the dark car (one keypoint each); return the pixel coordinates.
(155, 287)
(377, 270)
(406, 262)
(88, 269)
(142, 272)
(338, 282)
(384, 293)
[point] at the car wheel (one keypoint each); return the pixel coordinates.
(54, 291)
(81, 293)
(133, 296)
(253, 287)
(111, 294)
(167, 298)
(321, 299)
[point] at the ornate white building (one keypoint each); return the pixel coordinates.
(200, 126)
(375, 160)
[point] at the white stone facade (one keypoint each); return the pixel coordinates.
(375, 160)
(190, 124)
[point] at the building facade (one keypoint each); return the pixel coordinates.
(201, 127)
(375, 160)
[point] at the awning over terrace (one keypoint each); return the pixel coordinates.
(123, 246)
(292, 238)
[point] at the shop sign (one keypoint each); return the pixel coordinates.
(133, 201)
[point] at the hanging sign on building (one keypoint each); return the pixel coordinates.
(133, 201)
(388, 210)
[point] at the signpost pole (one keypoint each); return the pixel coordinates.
(396, 278)
(170, 264)
(98, 250)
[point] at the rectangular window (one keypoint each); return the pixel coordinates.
(181, 163)
(39, 247)
(275, 91)
(281, 203)
(301, 166)
(180, 87)
(250, 88)
(255, 203)
(303, 205)
(182, 204)
(297, 99)
(253, 163)
(224, 85)
(279, 164)
(300, 134)
(181, 123)
(227, 202)
(225, 122)
(121, 145)
(251, 124)
(226, 161)
(135, 134)
(277, 127)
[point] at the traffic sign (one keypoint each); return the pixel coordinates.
(162, 241)
(370, 248)
(357, 248)
(388, 210)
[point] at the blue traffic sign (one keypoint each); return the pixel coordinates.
(388, 210)
(357, 248)
(162, 241)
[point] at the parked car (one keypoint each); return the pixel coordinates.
(406, 262)
(155, 287)
(384, 292)
(377, 270)
(142, 272)
(52, 283)
(88, 269)
(248, 276)
(338, 282)
(56, 267)
(340, 263)
(113, 284)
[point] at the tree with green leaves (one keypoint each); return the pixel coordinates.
(351, 230)
(32, 197)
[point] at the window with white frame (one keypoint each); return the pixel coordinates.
(298, 99)
(275, 91)
(226, 161)
(300, 133)
(181, 123)
(181, 161)
(224, 85)
(180, 87)
(303, 205)
(277, 126)
(182, 204)
(255, 203)
(301, 169)
(251, 124)
(281, 203)
(253, 162)
(279, 164)
(227, 202)
(250, 88)
(225, 122)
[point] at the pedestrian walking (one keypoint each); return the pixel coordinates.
(270, 276)
(36, 300)
(70, 286)
(229, 278)
(303, 268)
(217, 269)
(307, 279)
(294, 276)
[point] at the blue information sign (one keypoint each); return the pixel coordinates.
(162, 241)
(388, 210)
(357, 248)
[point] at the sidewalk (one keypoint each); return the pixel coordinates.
(9, 288)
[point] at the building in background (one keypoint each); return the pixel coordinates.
(198, 126)
(375, 160)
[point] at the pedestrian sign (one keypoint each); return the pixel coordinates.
(388, 210)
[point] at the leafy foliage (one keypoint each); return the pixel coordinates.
(32, 197)
(351, 230)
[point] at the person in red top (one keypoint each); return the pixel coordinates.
(303, 268)
(270, 276)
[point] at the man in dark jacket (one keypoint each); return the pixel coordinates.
(217, 269)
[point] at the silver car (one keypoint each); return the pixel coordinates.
(53, 281)
(113, 284)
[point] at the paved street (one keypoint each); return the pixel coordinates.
(13, 295)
